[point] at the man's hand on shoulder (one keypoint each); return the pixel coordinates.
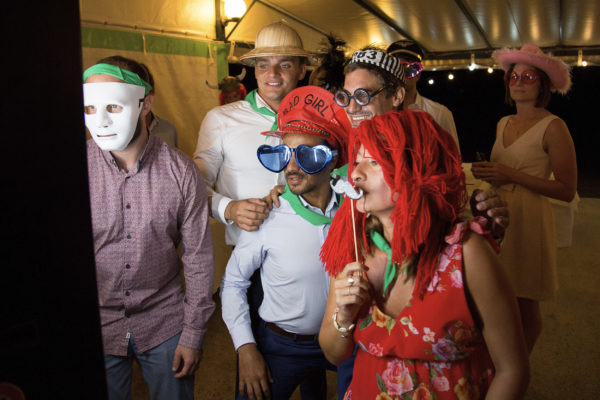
(488, 204)
(186, 361)
(248, 214)
(255, 375)
(273, 197)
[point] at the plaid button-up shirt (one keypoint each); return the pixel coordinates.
(139, 219)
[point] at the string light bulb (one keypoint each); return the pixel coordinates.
(234, 8)
(472, 66)
(580, 61)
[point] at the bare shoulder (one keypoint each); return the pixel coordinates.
(557, 128)
(557, 122)
(484, 274)
(557, 135)
(478, 257)
(476, 245)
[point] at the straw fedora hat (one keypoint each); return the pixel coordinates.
(277, 39)
(530, 54)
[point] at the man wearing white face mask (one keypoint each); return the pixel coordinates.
(146, 199)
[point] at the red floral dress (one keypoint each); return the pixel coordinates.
(432, 349)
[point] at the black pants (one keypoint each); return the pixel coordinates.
(255, 297)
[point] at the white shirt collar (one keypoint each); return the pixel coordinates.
(332, 206)
(260, 102)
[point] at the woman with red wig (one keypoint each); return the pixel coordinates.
(530, 145)
(426, 302)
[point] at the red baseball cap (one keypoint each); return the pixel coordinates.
(311, 110)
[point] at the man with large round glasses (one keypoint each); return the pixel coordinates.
(284, 351)
(373, 85)
(411, 56)
(371, 69)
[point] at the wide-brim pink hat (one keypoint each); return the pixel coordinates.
(530, 54)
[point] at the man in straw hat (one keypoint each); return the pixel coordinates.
(411, 56)
(284, 352)
(230, 134)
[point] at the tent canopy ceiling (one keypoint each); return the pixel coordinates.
(451, 32)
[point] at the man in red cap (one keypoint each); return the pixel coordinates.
(285, 351)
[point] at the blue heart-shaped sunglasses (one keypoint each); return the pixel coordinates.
(311, 160)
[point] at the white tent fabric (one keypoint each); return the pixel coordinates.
(453, 33)
(446, 29)
(195, 17)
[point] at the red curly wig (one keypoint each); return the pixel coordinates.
(422, 165)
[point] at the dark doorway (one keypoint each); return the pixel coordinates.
(50, 343)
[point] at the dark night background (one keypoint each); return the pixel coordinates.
(476, 99)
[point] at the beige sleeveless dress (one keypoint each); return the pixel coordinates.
(528, 249)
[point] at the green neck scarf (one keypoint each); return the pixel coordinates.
(391, 270)
(251, 98)
(309, 215)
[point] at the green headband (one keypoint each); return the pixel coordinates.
(117, 72)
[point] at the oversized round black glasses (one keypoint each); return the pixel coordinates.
(361, 96)
(311, 160)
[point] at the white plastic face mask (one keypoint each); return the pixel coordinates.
(112, 110)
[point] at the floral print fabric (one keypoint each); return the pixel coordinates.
(432, 349)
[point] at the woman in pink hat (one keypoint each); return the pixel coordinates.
(530, 145)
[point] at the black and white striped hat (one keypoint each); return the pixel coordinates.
(379, 59)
